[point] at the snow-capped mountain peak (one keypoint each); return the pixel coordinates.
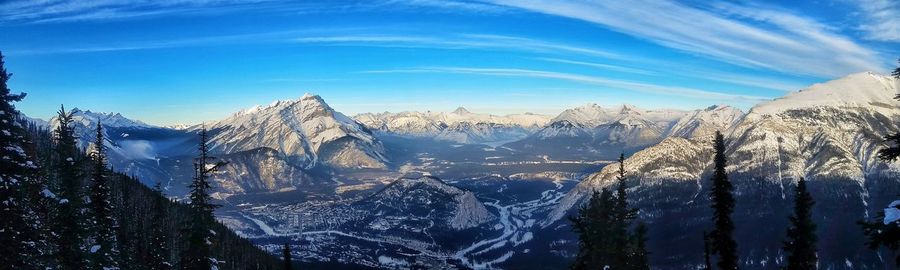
(590, 115)
(89, 118)
(461, 111)
(706, 122)
(306, 128)
(856, 90)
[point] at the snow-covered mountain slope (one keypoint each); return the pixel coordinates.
(594, 132)
(459, 126)
(705, 122)
(267, 148)
(410, 200)
(828, 133)
(307, 131)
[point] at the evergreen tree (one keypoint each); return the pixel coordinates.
(592, 224)
(286, 253)
(104, 249)
(69, 219)
(638, 258)
(722, 199)
(801, 244)
(159, 240)
(621, 218)
(896, 72)
(17, 236)
(707, 262)
(199, 233)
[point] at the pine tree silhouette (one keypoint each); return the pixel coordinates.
(159, 239)
(103, 224)
(199, 233)
(622, 216)
(70, 221)
(286, 254)
(592, 224)
(17, 236)
(801, 243)
(723, 243)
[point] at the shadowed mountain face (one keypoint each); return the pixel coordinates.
(829, 133)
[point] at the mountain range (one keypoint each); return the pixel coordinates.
(828, 133)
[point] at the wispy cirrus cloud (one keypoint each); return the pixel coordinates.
(58, 11)
(751, 36)
(460, 41)
(881, 19)
(585, 79)
(598, 65)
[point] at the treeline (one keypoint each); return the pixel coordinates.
(62, 207)
(611, 238)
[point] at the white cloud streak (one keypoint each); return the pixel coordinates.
(584, 79)
(461, 41)
(749, 36)
(881, 19)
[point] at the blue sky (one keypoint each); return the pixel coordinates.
(186, 61)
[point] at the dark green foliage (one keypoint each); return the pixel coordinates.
(50, 198)
(604, 227)
(65, 160)
(722, 199)
(17, 237)
(638, 259)
(158, 257)
(622, 216)
(592, 224)
(801, 243)
(104, 247)
(286, 254)
(199, 236)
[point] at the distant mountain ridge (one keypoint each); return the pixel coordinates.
(594, 132)
(829, 133)
(460, 126)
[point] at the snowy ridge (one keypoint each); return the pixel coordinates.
(90, 119)
(307, 130)
(705, 122)
(829, 131)
(459, 126)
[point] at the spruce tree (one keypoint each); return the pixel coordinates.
(621, 218)
(722, 199)
(800, 246)
(16, 170)
(159, 239)
(286, 253)
(592, 224)
(103, 224)
(638, 257)
(69, 219)
(199, 230)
